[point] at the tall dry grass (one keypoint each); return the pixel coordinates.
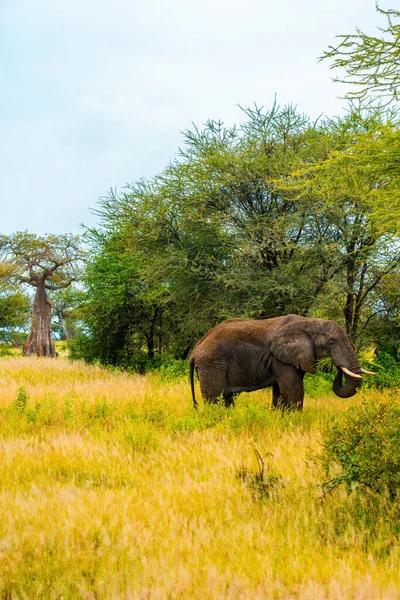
(111, 486)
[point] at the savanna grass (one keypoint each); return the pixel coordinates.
(112, 486)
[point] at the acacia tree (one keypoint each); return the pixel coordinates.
(345, 194)
(227, 178)
(47, 263)
(372, 63)
(372, 68)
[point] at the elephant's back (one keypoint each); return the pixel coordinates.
(232, 334)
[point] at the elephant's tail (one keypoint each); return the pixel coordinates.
(191, 364)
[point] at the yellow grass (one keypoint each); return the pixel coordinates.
(112, 487)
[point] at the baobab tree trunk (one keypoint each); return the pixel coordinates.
(40, 340)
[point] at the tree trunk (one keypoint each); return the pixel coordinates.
(150, 345)
(40, 340)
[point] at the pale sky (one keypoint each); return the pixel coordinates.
(95, 93)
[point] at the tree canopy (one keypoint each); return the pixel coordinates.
(276, 215)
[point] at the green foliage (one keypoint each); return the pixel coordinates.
(363, 449)
(318, 385)
(21, 400)
(371, 62)
(195, 245)
(5, 350)
(28, 257)
(174, 370)
(14, 314)
(348, 189)
(387, 369)
(121, 311)
(81, 347)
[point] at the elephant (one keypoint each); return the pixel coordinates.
(243, 355)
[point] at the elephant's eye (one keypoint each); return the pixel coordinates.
(331, 341)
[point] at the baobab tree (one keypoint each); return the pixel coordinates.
(47, 263)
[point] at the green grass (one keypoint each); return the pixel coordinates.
(112, 486)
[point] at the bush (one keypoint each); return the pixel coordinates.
(318, 385)
(363, 449)
(5, 349)
(21, 400)
(174, 370)
(387, 369)
(84, 348)
(81, 347)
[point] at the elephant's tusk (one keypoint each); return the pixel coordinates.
(350, 373)
(368, 372)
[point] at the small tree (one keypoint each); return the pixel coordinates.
(46, 263)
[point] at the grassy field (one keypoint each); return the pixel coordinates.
(113, 487)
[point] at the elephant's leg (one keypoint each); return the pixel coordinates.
(228, 399)
(291, 388)
(276, 394)
(211, 385)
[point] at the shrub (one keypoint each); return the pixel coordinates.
(5, 349)
(21, 400)
(318, 385)
(363, 449)
(81, 347)
(387, 369)
(174, 370)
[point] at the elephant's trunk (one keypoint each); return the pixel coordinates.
(350, 386)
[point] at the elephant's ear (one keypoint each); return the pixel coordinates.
(292, 345)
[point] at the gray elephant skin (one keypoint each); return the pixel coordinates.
(243, 355)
